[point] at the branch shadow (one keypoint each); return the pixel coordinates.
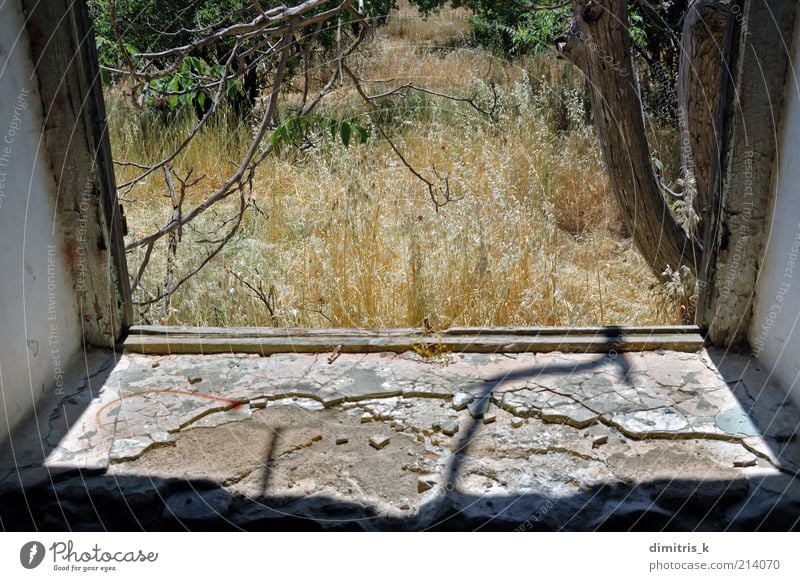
(79, 499)
(771, 413)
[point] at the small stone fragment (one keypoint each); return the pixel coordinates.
(449, 428)
(517, 422)
(366, 417)
(489, 419)
(425, 483)
(461, 400)
(745, 462)
(341, 440)
(477, 409)
(162, 438)
(194, 379)
(316, 437)
(599, 441)
(155, 364)
(126, 449)
(576, 416)
(379, 442)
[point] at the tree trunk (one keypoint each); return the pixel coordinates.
(702, 42)
(599, 45)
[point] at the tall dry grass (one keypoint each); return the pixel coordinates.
(348, 237)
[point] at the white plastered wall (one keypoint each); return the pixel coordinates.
(39, 324)
(775, 329)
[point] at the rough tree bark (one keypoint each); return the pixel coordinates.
(599, 45)
(702, 41)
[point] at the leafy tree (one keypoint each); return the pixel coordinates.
(630, 50)
(602, 38)
(124, 28)
(153, 25)
(507, 26)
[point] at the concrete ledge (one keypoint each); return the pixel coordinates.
(152, 340)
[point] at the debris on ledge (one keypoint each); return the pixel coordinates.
(526, 441)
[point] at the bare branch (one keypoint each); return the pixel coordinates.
(214, 105)
(440, 194)
(228, 187)
(266, 297)
(168, 292)
(273, 22)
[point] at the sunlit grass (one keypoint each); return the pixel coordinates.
(349, 237)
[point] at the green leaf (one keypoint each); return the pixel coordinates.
(658, 163)
(363, 133)
(295, 128)
(130, 49)
(173, 102)
(234, 88)
(201, 99)
(346, 132)
(278, 136)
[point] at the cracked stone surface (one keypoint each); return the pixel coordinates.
(394, 441)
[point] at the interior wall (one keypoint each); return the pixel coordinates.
(40, 329)
(775, 329)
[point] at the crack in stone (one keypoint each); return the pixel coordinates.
(535, 413)
(497, 400)
(151, 446)
(440, 384)
(249, 471)
(18, 470)
(84, 385)
(563, 450)
(208, 412)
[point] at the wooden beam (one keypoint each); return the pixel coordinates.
(741, 194)
(267, 341)
(76, 139)
(608, 331)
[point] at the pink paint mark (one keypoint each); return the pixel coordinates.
(232, 402)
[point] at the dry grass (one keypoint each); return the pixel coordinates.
(443, 28)
(348, 237)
